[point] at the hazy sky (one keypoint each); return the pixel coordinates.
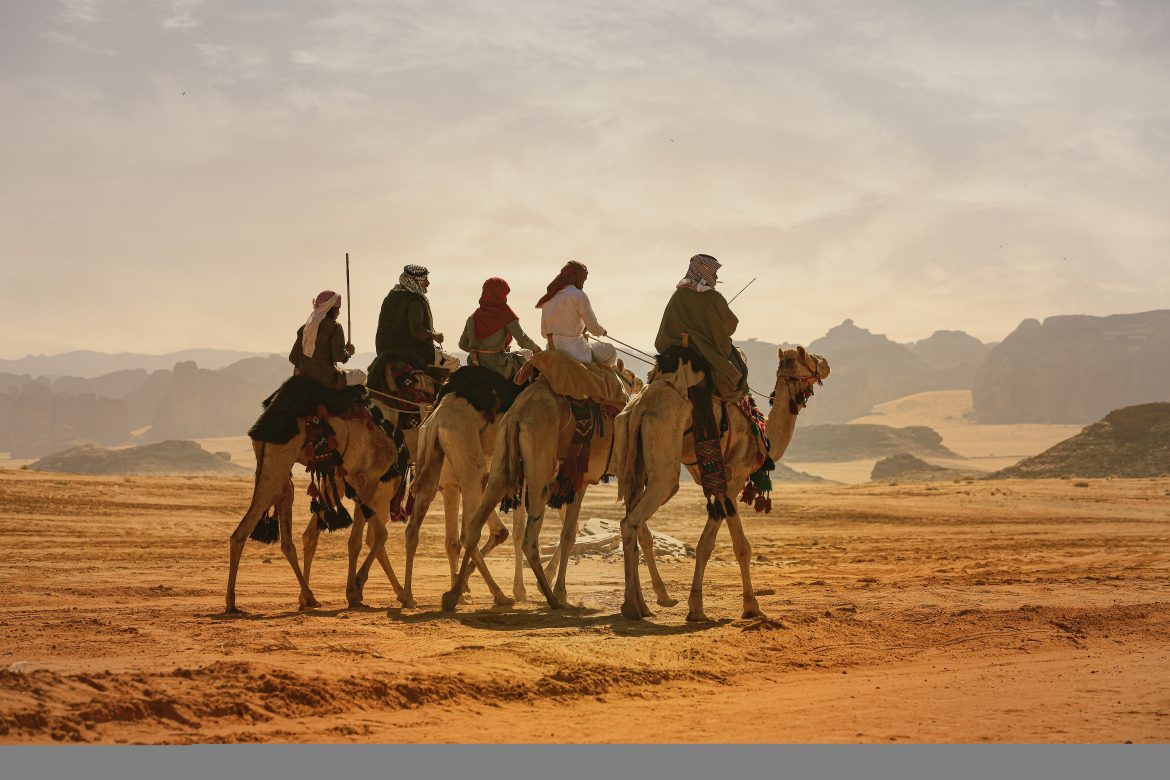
(187, 173)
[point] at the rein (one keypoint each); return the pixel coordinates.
(388, 399)
(800, 388)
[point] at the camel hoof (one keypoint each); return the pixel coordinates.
(646, 613)
(631, 611)
(561, 596)
(232, 609)
(356, 603)
(751, 612)
(697, 617)
(504, 601)
(519, 594)
(667, 601)
(407, 602)
(464, 598)
(450, 600)
(309, 602)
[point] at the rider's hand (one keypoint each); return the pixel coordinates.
(438, 337)
(349, 350)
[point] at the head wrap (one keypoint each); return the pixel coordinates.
(324, 301)
(572, 274)
(494, 312)
(701, 273)
(410, 278)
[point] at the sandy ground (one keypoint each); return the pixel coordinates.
(1007, 612)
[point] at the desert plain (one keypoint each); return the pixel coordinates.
(968, 611)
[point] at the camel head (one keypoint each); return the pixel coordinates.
(799, 371)
(633, 384)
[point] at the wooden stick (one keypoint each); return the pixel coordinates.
(749, 284)
(348, 303)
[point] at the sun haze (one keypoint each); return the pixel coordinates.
(190, 174)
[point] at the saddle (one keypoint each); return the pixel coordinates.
(488, 393)
(290, 405)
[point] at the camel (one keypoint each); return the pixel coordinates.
(367, 454)
(531, 434)
(654, 443)
(454, 445)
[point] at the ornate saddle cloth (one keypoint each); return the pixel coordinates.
(322, 458)
(488, 393)
(575, 380)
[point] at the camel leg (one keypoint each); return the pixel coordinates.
(703, 551)
(568, 539)
(309, 539)
(273, 464)
(662, 483)
(554, 560)
(468, 467)
(377, 498)
(743, 555)
(452, 500)
(519, 518)
(536, 507)
(472, 529)
(289, 548)
(426, 484)
(646, 542)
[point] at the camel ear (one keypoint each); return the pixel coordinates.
(620, 364)
(800, 351)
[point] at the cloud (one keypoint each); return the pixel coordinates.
(180, 14)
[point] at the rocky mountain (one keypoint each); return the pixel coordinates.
(201, 402)
(35, 420)
(1074, 369)
(168, 457)
(833, 442)
(89, 364)
(1129, 442)
(869, 369)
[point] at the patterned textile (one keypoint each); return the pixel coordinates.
(709, 454)
(701, 273)
(410, 279)
(570, 479)
(757, 491)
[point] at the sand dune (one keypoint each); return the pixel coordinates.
(984, 612)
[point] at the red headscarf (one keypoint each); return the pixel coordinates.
(573, 273)
(494, 312)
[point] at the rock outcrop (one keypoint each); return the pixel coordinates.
(832, 442)
(168, 457)
(908, 468)
(1129, 442)
(1074, 369)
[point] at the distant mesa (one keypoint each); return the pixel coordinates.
(1074, 369)
(1129, 442)
(168, 457)
(787, 475)
(856, 441)
(908, 468)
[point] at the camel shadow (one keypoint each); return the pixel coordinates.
(543, 618)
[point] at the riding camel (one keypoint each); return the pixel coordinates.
(653, 442)
(531, 435)
(367, 454)
(454, 445)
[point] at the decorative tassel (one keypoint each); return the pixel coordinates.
(339, 519)
(267, 531)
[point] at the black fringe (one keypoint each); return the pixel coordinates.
(267, 531)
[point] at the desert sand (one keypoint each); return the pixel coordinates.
(957, 612)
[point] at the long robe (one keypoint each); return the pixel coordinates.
(404, 319)
(329, 350)
(491, 351)
(710, 323)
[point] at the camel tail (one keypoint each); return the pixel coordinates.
(429, 449)
(630, 467)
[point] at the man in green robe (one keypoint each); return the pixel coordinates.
(701, 313)
(405, 324)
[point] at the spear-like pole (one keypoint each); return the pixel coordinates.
(348, 302)
(749, 284)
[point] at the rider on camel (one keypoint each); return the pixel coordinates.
(566, 315)
(490, 330)
(321, 344)
(701, 314)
